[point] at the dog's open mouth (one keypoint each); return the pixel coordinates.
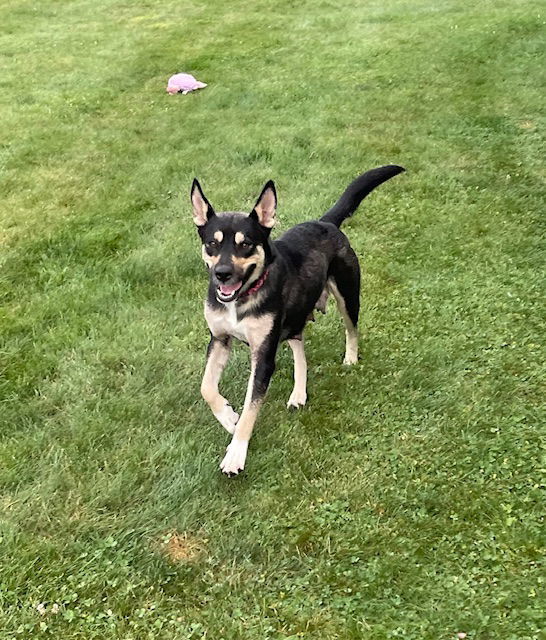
(228, 292)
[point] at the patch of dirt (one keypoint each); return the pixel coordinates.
(181, 547)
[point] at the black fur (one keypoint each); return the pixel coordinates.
(298, 267)
(357, 191)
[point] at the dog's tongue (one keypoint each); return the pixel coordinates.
(226, 289)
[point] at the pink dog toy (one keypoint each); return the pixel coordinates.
(183, 83)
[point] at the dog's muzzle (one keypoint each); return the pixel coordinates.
(226, 290)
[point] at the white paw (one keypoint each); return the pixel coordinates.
(227, 418)
(350, 358)
(234, 460)
(297, 399)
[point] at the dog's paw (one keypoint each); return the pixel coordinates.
(227, 418)
(350, 358)
(297, 399)
(234, 460)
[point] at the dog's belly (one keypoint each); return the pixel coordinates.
(225, 322)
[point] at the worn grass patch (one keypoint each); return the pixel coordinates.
(181, 547)
(406, 500)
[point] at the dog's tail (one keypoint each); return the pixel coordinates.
(357, 191)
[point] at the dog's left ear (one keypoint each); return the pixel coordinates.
(202, 209)
(266, 206)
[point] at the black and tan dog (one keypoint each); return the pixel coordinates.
(263, 292)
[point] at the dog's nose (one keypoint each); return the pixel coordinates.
(223, 272)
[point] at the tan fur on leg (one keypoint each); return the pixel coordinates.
(216, 361)
(351, 333)
(298, 397)
(234, 460)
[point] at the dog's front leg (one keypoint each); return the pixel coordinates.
(217, 356)
(263, 366)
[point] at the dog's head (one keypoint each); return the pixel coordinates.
(236, 245)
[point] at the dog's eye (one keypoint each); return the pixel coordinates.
(211, 245)
(246, 245)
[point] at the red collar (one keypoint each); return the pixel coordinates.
(258, 284)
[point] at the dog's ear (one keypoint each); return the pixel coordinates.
(266, 206)
(202, 209)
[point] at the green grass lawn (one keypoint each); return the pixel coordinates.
(405, 500)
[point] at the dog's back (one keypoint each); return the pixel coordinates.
(320, 260)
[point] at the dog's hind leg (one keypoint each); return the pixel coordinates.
(217, 356)
(298, 397)
(344, 283)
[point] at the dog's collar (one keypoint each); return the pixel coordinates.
(257, 286)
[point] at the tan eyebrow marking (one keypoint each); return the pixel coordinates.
(218, 236)
(239, 237)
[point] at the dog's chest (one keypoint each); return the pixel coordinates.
(224, 322)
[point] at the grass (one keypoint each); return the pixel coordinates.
(405, 500)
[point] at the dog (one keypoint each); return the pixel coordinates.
(263, 292)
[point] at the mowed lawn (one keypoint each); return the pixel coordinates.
(405, 500)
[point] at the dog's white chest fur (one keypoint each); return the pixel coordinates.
(251, 329)
(225, 322)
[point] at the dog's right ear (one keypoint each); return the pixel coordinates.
(202, 209)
